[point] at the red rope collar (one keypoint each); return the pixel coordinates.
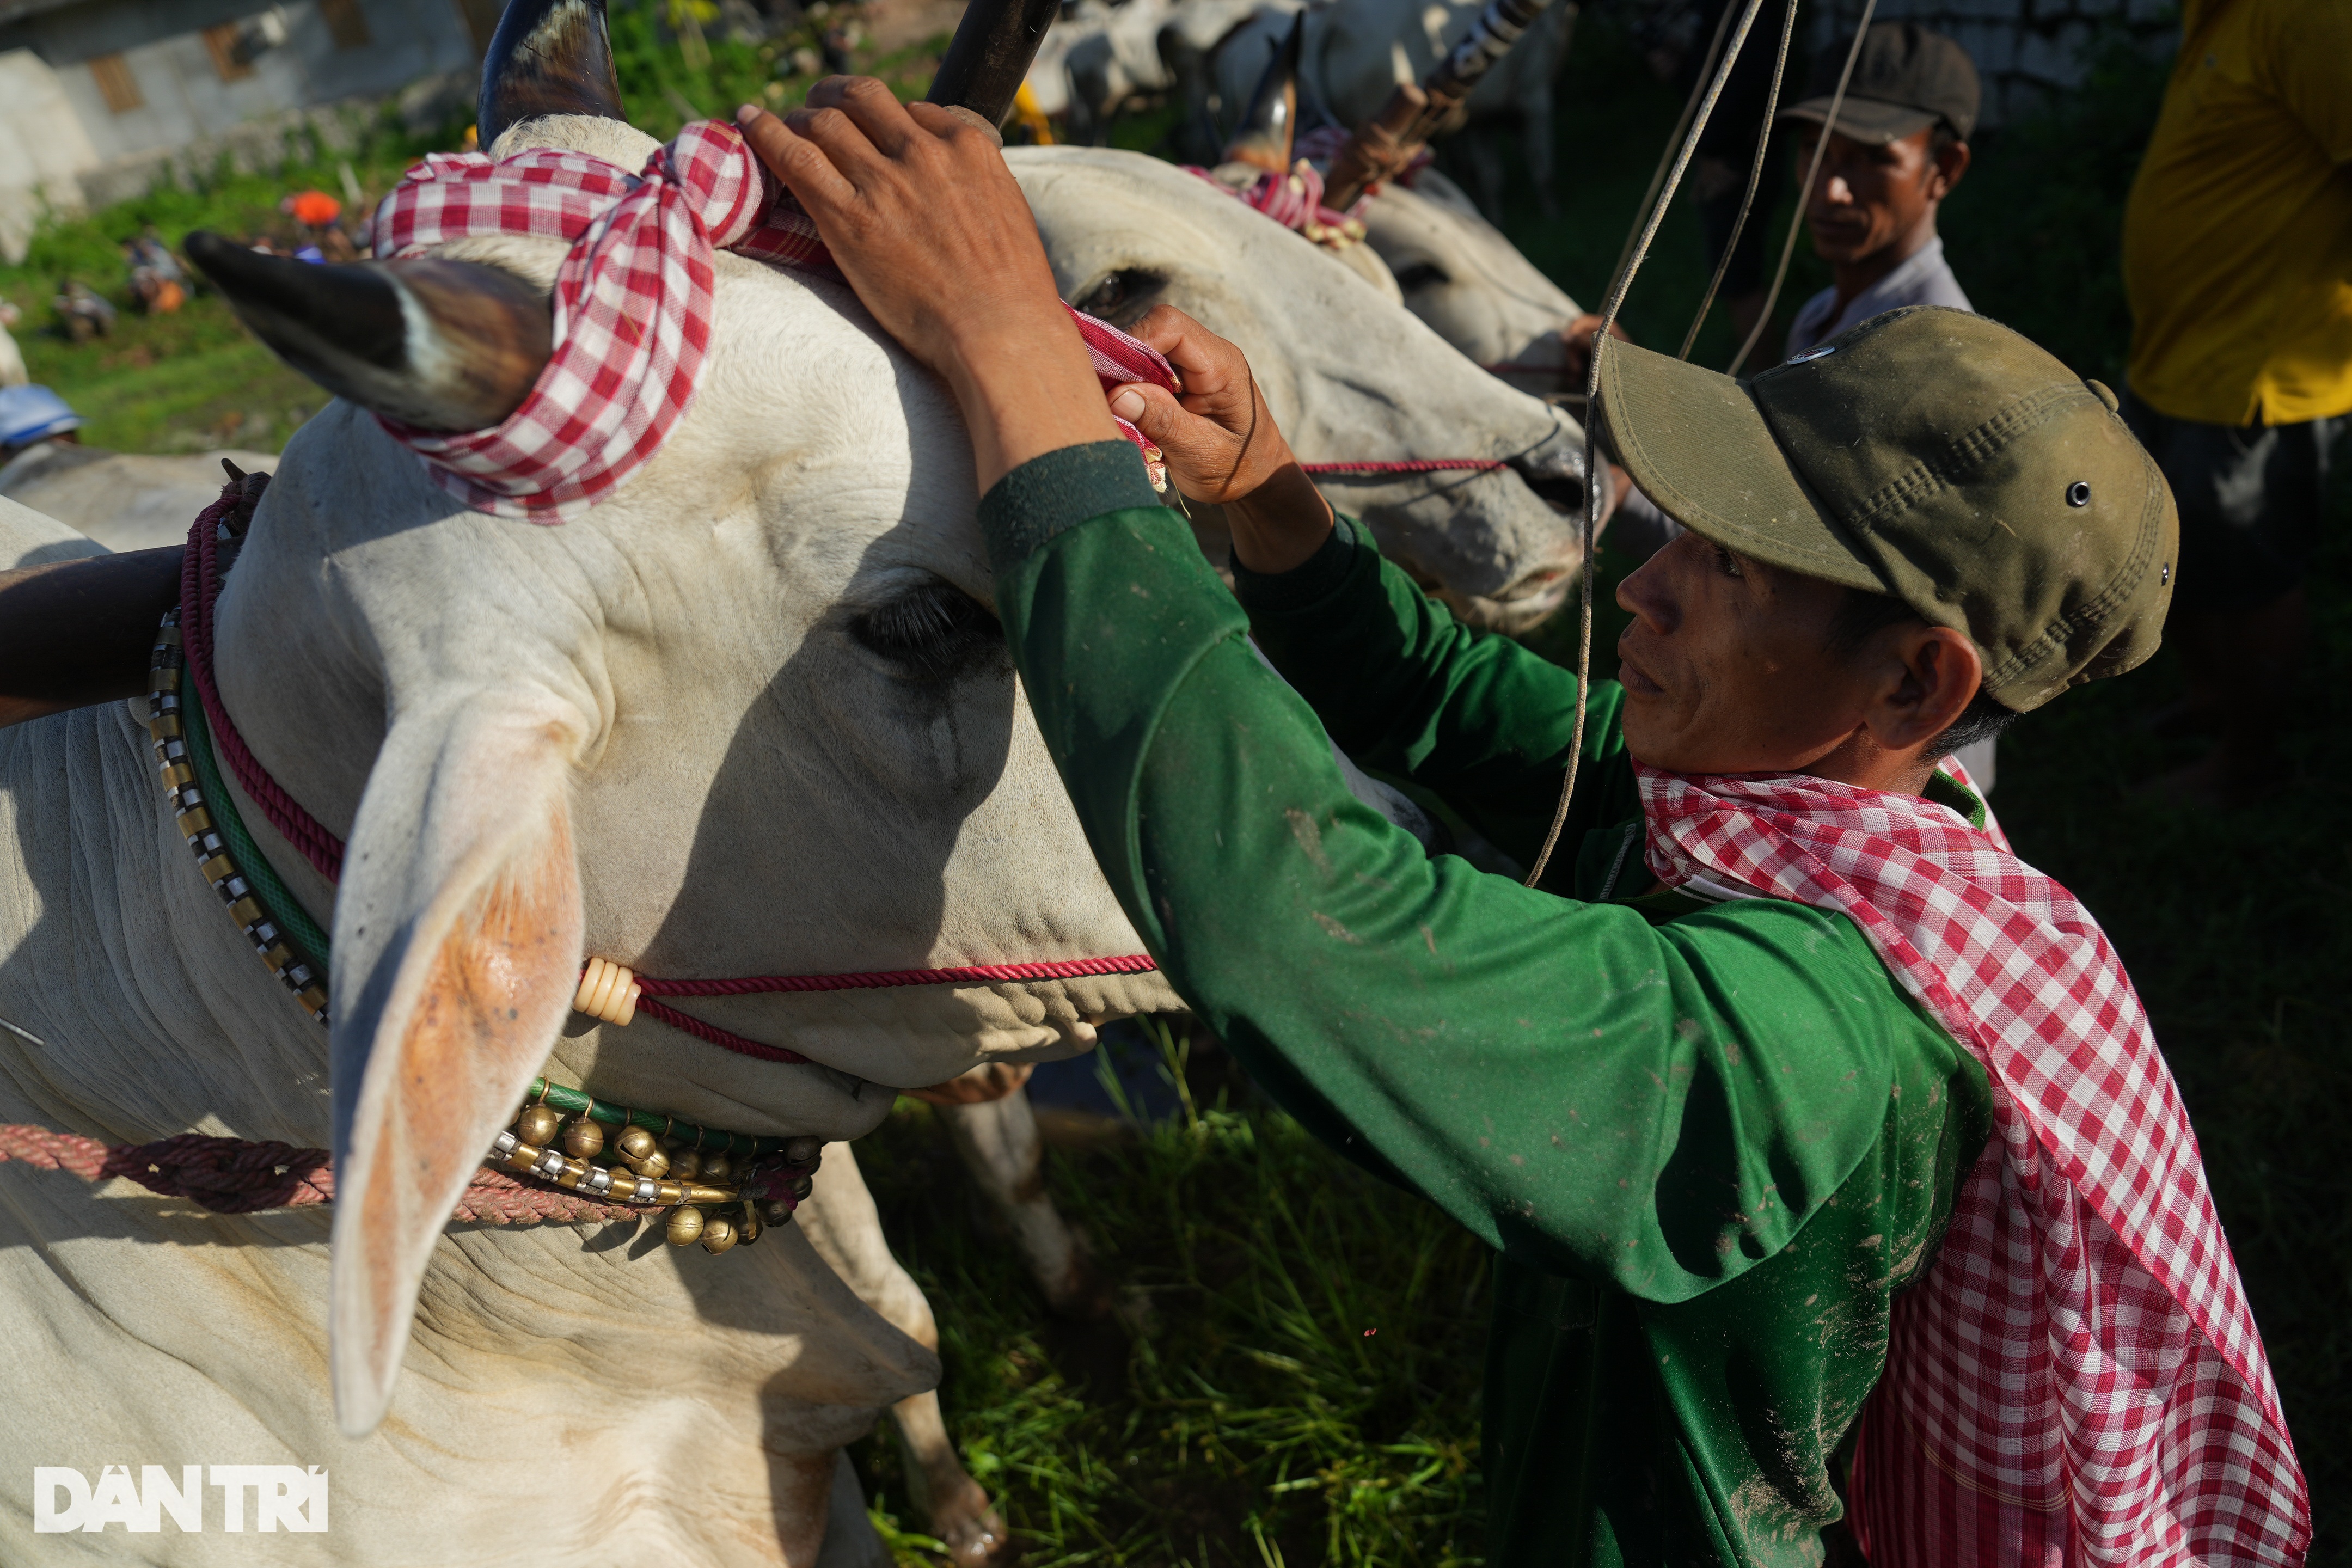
(200, 587)
(1406, 466)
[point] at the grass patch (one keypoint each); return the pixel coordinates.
(1294, 1378)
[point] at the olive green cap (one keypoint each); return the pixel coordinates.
(1931, 454)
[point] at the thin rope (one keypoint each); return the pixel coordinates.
(1667, 153)
(1805, 196)
(1596, 478)
(1405, 466)
(237, 1175)
(1755, 178)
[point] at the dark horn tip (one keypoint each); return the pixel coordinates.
(991, 53)
(547, 56)
(1269, 126)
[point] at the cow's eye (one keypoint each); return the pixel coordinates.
(1124, 297)
(1414, 276)
(935, 633)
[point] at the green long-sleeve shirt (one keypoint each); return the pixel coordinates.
(1708, 1143)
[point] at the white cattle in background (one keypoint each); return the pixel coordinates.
(1357, 51)
(1476, 288)
(1349, 375)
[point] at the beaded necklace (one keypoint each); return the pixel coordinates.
(721, 1188)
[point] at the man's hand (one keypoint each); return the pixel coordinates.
(926, 223)
(1222, 445)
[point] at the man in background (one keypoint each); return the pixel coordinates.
(1899, 145)
(2238, 264)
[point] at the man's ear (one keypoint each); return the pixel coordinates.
(1950, 160)
(1940, 674)
(459, 928)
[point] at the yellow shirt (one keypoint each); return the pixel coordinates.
(2237, 238)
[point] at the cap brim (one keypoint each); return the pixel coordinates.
(1698, 444)
(1864, 118)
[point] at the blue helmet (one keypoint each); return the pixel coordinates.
(30, 414)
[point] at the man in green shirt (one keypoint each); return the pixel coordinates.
(1799, 1113)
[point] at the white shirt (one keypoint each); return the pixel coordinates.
(1923, 279)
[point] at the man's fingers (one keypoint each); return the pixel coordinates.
(803, 167)
(1207, 364)
(872, 108)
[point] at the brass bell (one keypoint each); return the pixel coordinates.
(685, 1165)
(684, 1227)
(718, 1168)
(634, 1144)
(718, 1233)
(654, 1166)
(803, 1151)
(583, 1138)
(775, 1211)
(537, 1126)
(748, 1227)
(803, 1187)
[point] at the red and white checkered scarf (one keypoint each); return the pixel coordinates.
(632, 305)
(2077, 1380)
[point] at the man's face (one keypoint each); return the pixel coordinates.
(1868, 196)
(1727, 668)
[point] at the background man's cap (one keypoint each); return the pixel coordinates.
(1905, 80)
(1933, 455)
(30, 414)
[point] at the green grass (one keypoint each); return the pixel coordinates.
(1237, 1412)
(1292, 1377)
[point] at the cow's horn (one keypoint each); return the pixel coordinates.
(992, 51)
(547, 56)
(1267, 130)
(443, 345)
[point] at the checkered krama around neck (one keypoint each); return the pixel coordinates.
(1934, 455)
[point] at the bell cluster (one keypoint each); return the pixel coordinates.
(705, 1189)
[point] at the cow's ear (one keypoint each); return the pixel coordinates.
(457, 939)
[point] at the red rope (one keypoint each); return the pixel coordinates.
(199, 587)
(972, 974)
(236, 1175)
(1409, 466)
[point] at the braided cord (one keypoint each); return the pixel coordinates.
(270, 889)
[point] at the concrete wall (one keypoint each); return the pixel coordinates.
(420, 54)
(44, 151)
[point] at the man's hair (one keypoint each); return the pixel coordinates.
(1862, 615)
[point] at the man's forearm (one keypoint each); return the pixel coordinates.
(74, 633)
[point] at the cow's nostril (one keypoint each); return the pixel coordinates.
(1564, 492)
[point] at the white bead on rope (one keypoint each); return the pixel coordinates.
(608, 991)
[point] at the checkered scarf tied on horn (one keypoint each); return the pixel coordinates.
(2077, 1379)
(632, 307)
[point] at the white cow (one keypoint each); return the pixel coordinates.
(1348, 376)
(750, 717)
(1357, 51)
(1457, 272)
